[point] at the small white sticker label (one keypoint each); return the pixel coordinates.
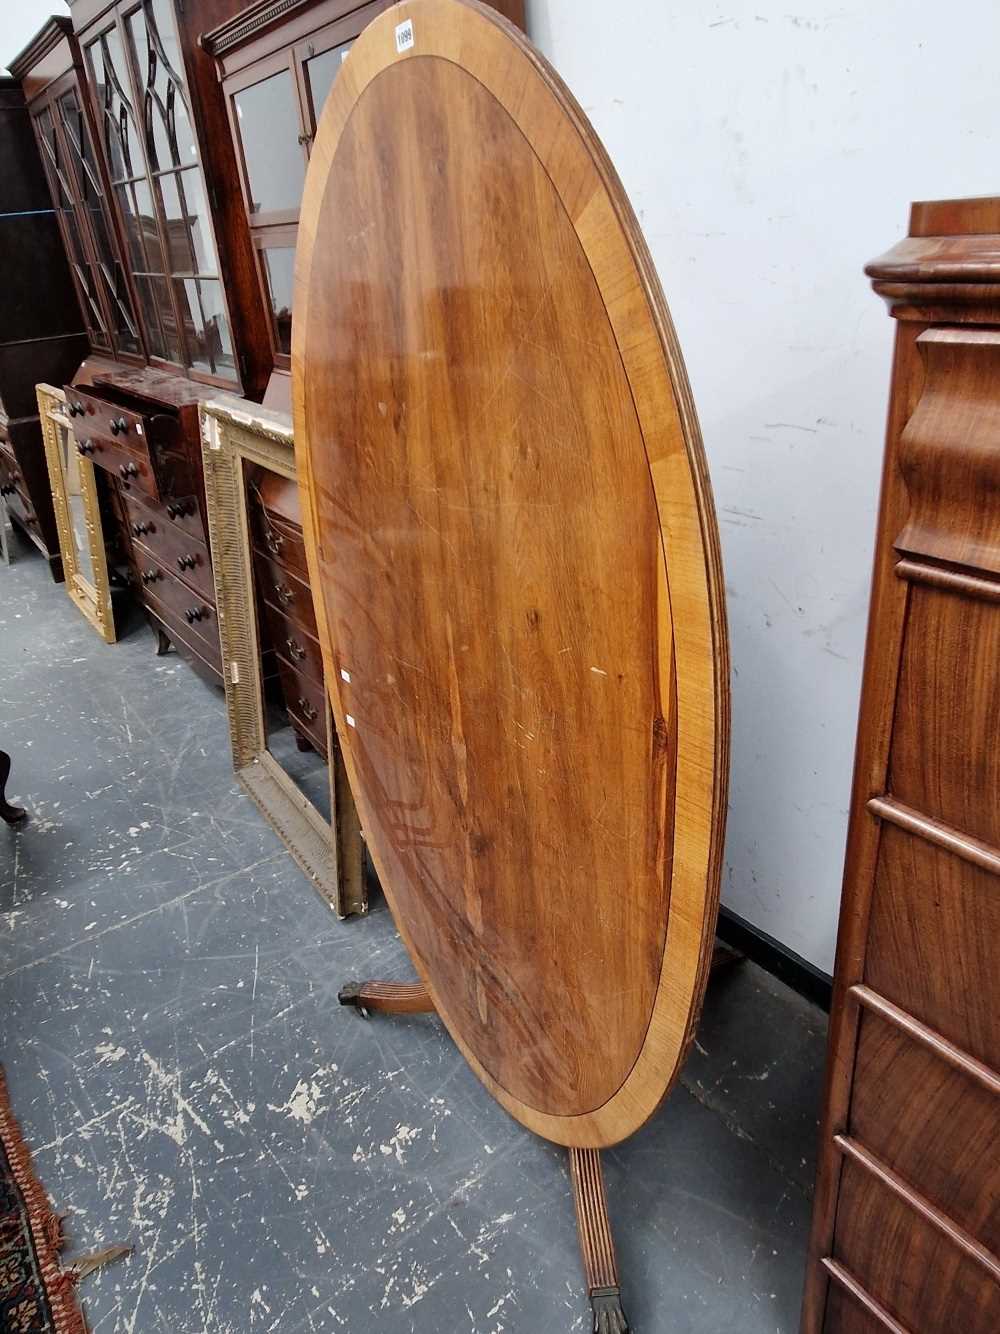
(234, 673)
(346, 675)
(349, 720)
(138, 428)
(404, 36)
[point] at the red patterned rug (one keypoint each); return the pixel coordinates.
(37, 1296)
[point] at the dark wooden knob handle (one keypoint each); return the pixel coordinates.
(119, 426)
(178, 509)
(151, 575)
(127, 470)
(295, 649)
(76, 409)
(274, 541)
(140, 528)
(195, 614)
(7, 489)
(306, 708)
(285, 594)
(187, 562)
(85, 447)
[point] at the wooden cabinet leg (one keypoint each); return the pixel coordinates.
(7, 812)
(387, 997)
(162, 642)
(600, 1266)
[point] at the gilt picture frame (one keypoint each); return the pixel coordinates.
(237, 433)
(92, 598)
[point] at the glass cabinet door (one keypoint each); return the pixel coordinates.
(136, 72)
(272, 141)
(192, 265)
(275, 101)
(80, 255)
(87, 177)
(112, 88)
(320, 72)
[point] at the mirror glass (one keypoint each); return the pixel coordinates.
(70, 461)
(294, 704)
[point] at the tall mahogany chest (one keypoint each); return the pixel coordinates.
(906, 1229)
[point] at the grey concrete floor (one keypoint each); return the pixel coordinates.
(181, 1068)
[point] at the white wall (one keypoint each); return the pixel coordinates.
(20, 20)
(769, 154)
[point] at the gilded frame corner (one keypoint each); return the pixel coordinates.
(235, 432)
(93, 600)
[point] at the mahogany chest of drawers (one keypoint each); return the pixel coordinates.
(906, 1227)
(141, 428)
(285, 604)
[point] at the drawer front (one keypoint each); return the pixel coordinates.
(305, 700)
(279, 539)
(131, 469)
(934, 940)
(207, 651)
(196, 613)
(912, 1269)
(285, 591)
(294, 643)
(846, 1315)
(95, 416)
(950, 1152)
(155, 536)
(182, 516)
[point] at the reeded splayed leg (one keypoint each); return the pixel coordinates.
(596, 1243)
(387, 997)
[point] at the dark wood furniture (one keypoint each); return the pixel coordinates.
(51, 76)
(277, 61)
(170, 164)
(134, 162)
(906, 1227)
(511, 536)
(285, 601)
(41, 332)
(141, 428)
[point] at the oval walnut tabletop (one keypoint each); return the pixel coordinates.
(511, 533)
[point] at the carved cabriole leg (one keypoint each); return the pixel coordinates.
(7, 812)
(387, 997)
(599, 1263)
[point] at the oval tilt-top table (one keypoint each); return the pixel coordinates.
(515, 561)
